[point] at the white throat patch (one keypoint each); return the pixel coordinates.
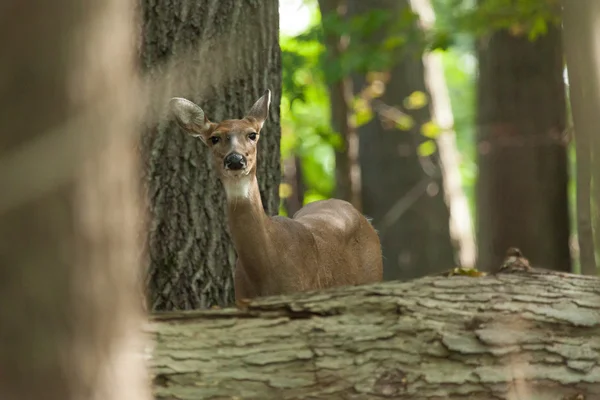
(238, 188)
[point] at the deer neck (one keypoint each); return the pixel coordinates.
(248, 223)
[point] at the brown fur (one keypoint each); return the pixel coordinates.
(327, 243)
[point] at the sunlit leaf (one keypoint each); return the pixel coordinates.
(426, 148)
(539, 28)
(373, 76)
(430, 130)
(415, 100)
(362, 117)
(285, 190)
(376, 89)
(405, 122)
(441, 40)
(360, 104)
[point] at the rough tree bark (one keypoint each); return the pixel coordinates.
(222, 55)
(405, 200)
(522, 184)
(583, 61)
(68, 210)
(433, 338)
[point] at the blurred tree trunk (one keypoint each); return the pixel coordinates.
(403, 193)
(293, 177)
(347, 169)
(461, 227)
(68, 211)
(522, 185)
(223, 55)
(583, 60)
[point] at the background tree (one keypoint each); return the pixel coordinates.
(521, 120)
(460, 24)
(68, 212)
(221, 55)
(293, 188)
(461, 226)
(583, 61)
(402, 188)
(340, 88)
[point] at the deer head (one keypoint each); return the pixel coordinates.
(232, 142)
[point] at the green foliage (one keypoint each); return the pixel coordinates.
(308, 69)
(305, 119)
(370, 48)
(427, 148)
(519, 17)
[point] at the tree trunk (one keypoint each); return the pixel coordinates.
(293, 177)
(432, 338)
(223, 55)
(583, 60)
(522, 184)
(347, 168)
(404, 198)
(68, 210)
(461, 227)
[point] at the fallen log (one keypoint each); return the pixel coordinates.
(527, 335)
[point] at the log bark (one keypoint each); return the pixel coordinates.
(511, 336)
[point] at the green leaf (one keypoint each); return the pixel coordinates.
(441, 41)
(430, 130)
(393, 42)
(285, 190)
(426, 148)
(405, 122)
(539, 28)
(415, 100)
(362, 116)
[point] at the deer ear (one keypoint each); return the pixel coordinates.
(260, 110)
(190, 117)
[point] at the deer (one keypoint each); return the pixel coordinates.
(327, 243)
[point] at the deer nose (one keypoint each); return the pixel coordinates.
(235, 161)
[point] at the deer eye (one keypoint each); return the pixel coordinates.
(214, 139)
(252, 136)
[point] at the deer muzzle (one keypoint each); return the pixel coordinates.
(235, 161)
